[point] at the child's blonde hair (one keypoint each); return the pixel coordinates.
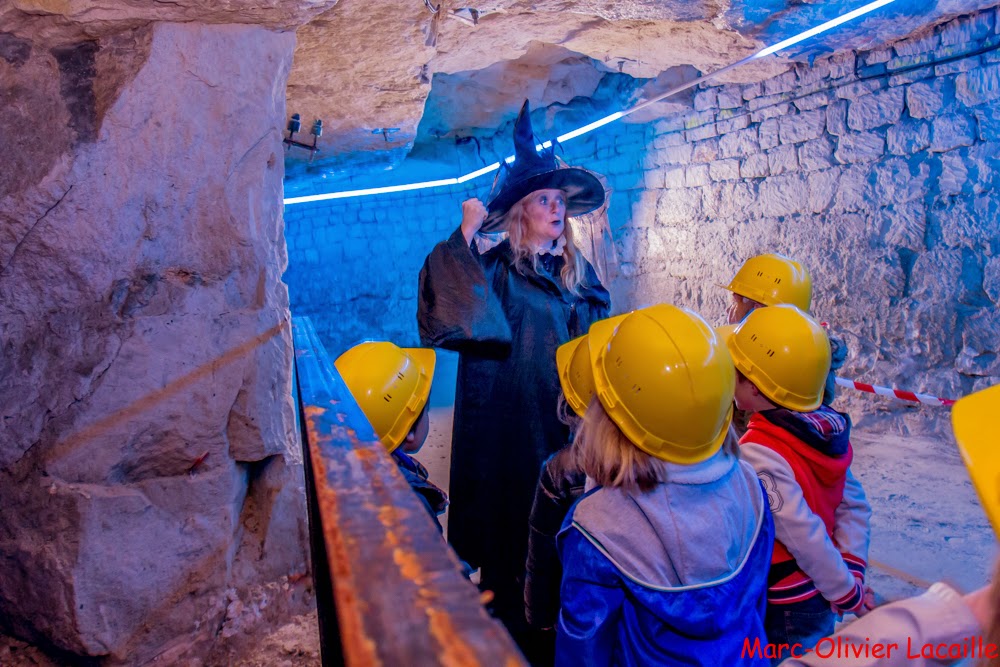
(573, 270)
(567, 416)
(610, 459)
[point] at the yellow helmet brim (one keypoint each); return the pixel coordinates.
(972, 418)
(564, 362)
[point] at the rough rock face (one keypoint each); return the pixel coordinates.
(148, 454)
(66, 20)
(363, 67)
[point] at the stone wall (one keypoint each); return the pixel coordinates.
(877, 169)
(151, 473)
(353, 266)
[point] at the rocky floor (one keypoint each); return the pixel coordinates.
(295, 644)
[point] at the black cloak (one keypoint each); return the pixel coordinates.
(506, 322)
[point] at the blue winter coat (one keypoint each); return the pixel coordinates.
(675, 576)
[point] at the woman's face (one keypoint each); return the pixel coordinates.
(546, 212)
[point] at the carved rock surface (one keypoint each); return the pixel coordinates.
(391, 53)
(148, 453)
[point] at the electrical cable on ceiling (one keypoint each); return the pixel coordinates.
(774, 48)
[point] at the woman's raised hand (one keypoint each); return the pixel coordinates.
(473, 217)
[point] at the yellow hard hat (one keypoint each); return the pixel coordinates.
(666, 380)
(972, 418)
(725, 332)
(575, 372)
(391, 385)
(773, 279)
(786, 353)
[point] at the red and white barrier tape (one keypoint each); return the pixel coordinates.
(896, 393)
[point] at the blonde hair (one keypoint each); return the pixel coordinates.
(610, 459)
(574, 269)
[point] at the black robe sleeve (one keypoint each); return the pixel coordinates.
(457, 307)
(594, 304)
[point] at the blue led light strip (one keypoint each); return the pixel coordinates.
(784, 44)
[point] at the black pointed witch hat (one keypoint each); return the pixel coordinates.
(538, 170)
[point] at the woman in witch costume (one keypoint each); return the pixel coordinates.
(506, 310)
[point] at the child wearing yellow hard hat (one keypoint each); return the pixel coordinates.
(802, 453)
(941, 617)
(665, 558)
(771, 280)
(768, 280)
(391, 386)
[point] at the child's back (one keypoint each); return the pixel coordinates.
(809, 455)
(802, 453)
(665, 560)
(391, 386)
(682, 566)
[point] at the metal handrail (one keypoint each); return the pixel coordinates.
(389, 589)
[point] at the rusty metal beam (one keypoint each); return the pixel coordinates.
(399, 594)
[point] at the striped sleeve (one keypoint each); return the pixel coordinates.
(852, 529)
(797, 527)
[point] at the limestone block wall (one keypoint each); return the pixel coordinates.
(353, 266)
(877, 169)
(149, 466)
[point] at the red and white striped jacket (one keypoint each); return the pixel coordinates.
(821, 515)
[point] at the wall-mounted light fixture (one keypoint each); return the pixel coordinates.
(294, 125)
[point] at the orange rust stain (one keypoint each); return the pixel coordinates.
(388, 515)
(313, 411)
(359, 648)
(367, 455)
(454, 651)
(349, 590)
(410, 567)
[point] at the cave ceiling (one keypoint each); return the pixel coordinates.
(387, 76)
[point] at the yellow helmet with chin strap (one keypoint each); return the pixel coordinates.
(773, 279)
(576, 375)
(391, 385)
(973, 419)
(666, 380)
(785, 353)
